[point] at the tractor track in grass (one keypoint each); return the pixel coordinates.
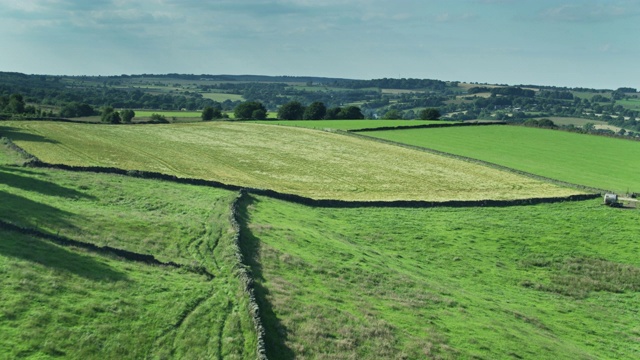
(223, 324)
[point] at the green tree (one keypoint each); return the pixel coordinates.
(430, 114)
(159, 119)
(292, 110)
(16, 104)
(409, 115)
(250, 110)
(127, 115)
(76, 109)
(351, 113)
(109, 115)
(207, 113)
(546, 123)
(392, 114)
(315, 111)
(333, 113)
(259, 114)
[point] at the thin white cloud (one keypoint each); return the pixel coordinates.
(590, 12)
(356, 38)
(454, 18)
(29, 6)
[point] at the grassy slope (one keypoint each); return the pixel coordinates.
(150, 217)
(62, 300)
(347, 124)
(578, 122)
(581, 159)
(633, 104)
(549, 281)
(293, 160)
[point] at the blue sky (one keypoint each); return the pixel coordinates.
(581, 43)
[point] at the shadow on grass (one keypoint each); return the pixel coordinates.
(30, 248)
(28, 214)
(275, 331)
(16, 134)
(9, 177)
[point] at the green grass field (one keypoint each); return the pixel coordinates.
(292, 160)
(220, 97)
(150, 217)
(168, 114)
(633, 104)
(67, 302)
(578, 122)
(589, 160)
(347, 124)
(546, 281)
(557, 281)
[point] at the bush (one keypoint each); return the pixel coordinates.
(430, 114)
(159, 119)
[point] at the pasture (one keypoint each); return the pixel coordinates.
(347, 124)
(62, 302)
(589, 160)
(168, 114)
(220, 97)
(577, 122)
(633, 104)
(527, 282)
(299, 161)
(75, 302)
(524, 282)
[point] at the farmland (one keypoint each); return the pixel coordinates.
(578, 122)
(544, 281)
(169, 114)
(347, 124)
(633, 104)
(589, 160)
(220, 97)
(537, 281)
(76, 302)
(304, 162)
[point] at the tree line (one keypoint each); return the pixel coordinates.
(294, 110)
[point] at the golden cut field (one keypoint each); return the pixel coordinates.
(299, 161)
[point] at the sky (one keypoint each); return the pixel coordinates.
(574, 43)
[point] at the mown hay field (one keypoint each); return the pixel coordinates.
(292, 160)
(348, 124)
(589, 160)
(551, 281)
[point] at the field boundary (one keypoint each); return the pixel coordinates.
(478, 161)
(246, 277)
(426, 126)
(128, 255)
(326, 203)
